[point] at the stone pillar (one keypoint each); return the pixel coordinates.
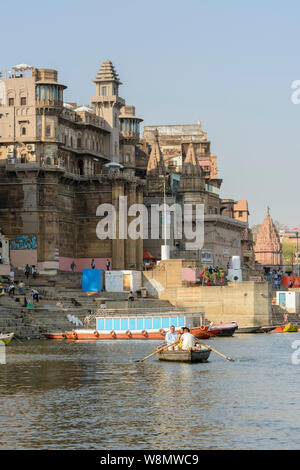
(43, 126)
(130, 245)
(140, 241)
(5, 249)
(118, 261)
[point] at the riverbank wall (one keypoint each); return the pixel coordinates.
(249, 303)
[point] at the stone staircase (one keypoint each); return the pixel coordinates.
(278, 316)
(62, 296)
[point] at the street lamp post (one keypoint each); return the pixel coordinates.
(165, 249)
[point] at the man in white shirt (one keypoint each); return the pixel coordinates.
(188, 340)
(171, 337)
(35, 294)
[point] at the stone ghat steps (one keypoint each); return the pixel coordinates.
(54, 321)
(20, 324)
(34, 323)
(278, 314)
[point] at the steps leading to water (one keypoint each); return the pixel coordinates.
(62, 296)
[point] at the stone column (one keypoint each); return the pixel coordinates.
(118, 261)
(130, 245)
(140, 241)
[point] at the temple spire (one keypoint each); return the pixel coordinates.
(268, 249)
(156, 165)
(156, 172)
(192, 176)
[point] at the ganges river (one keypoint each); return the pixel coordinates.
(93, 395)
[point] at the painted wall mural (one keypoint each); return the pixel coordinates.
(24, 243)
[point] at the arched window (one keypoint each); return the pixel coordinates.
(23, 130)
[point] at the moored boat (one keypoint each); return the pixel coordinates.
(224, 329)
(201, 355)
(58, 335)
(138, 327)
(6, 338)
(250, 330)
(285, 329)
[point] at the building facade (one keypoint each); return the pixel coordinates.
(185, 153)
(58, 163)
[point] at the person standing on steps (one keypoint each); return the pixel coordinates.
(34, 271)
(27, 269)
(11, 289)
(130, 299)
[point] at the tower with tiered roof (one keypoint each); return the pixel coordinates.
(108, 103)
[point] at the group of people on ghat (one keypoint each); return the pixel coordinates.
(182, 341)
(93, 265)
(18, 287)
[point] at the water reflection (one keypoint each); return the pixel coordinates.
(59, 395)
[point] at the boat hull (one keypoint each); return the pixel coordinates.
(6, 339)
(55, 335)
(90, 335)
(184, 356)
(251, 330)
(224, 329)
(285, 329)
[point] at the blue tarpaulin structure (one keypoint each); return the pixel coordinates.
(92, 280)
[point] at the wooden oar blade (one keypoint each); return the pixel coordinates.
(155, 352)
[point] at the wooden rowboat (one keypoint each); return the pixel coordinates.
(184, 356)
(6, 338)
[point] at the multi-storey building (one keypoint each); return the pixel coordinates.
(184, 153)
(58, 163)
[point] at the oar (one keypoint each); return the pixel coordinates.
(157, 351)
(217, 352)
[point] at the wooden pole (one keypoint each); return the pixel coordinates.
(217, 352)
(157, 351)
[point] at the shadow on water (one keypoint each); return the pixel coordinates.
(93, 395)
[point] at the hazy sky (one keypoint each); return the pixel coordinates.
(230, 63)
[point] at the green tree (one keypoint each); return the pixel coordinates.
(287, 253)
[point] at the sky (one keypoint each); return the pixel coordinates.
(229, 63)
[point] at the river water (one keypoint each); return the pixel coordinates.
(93, 395)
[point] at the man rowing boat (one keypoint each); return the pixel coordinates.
(187, 340)
(171, 338)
